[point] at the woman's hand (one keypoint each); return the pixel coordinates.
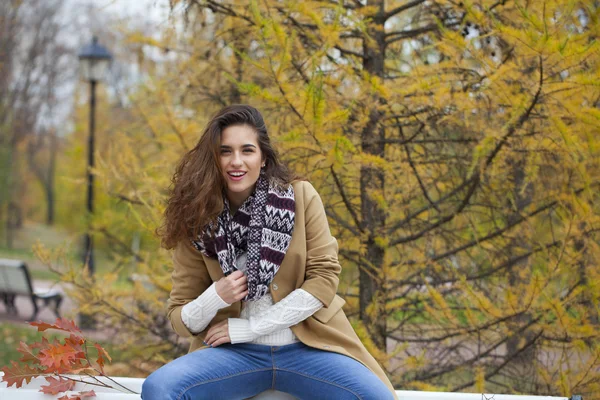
(218, 334)
(232, 288)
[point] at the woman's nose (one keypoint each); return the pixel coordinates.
(236, 160)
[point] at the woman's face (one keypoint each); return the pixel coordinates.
(241, 160)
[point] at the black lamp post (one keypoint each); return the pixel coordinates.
(93, 65)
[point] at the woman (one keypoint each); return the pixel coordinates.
(255, 278)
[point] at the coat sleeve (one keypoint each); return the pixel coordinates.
(322, 265)
(190, 279)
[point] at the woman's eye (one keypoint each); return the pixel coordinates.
(225, 151)
(248, 151)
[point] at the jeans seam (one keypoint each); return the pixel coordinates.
(219, 379)
(321, 380)
(274, 369)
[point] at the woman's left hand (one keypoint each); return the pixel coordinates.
(218, 334)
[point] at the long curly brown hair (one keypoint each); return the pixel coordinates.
(197, 186)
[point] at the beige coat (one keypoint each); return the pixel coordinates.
(311, 263)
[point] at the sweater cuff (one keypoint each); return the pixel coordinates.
(222, 303)
(239, 330)
(198, 313)
(210, 301)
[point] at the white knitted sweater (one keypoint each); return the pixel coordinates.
(260, 322)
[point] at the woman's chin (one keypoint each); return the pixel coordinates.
(238, 188)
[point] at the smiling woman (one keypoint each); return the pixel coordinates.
(241, 161)
(255, 278)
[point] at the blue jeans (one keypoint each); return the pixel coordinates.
(244, 370)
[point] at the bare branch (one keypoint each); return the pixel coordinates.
(414, 169)
(392, 37)
(402, 8)
(347, 203)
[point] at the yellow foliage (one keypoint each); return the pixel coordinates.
(479, 379)
(477, 198)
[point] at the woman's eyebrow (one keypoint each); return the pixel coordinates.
(225, 146)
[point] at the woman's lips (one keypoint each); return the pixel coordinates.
(236, 178)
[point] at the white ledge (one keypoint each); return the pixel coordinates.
(31, 392)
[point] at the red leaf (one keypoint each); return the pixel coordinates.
(100, 359)
(59, 355)
(75, 341)
(16, 374)
(62, 324)
(57, 386)
(40, 345)
(27, 353)
(101, 350)
(87, 393)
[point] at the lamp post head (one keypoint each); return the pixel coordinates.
(94, 60)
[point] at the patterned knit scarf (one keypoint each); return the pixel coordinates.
(262, 227)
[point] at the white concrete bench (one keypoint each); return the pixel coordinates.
(15, 280)
(31, 392)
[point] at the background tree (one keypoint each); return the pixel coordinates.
(454, 146)
(442, 137)
(35, 67)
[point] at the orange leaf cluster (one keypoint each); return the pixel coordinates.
(53, 359)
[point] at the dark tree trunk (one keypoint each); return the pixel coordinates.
(522, 199)
(372, 179)
(50, 205)
(49, 186)
(45, 173)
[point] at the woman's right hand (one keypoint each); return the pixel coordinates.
(232, 288)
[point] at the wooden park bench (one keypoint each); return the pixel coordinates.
(15, 280)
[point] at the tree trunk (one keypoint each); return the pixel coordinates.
(49, 186)
(10, 172)
(372, 179)
(522, 200)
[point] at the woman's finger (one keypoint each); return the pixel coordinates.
(209, 338)
(239, 291)
(223, 340)
(212, 330)
(216, 337)
(215, 332)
